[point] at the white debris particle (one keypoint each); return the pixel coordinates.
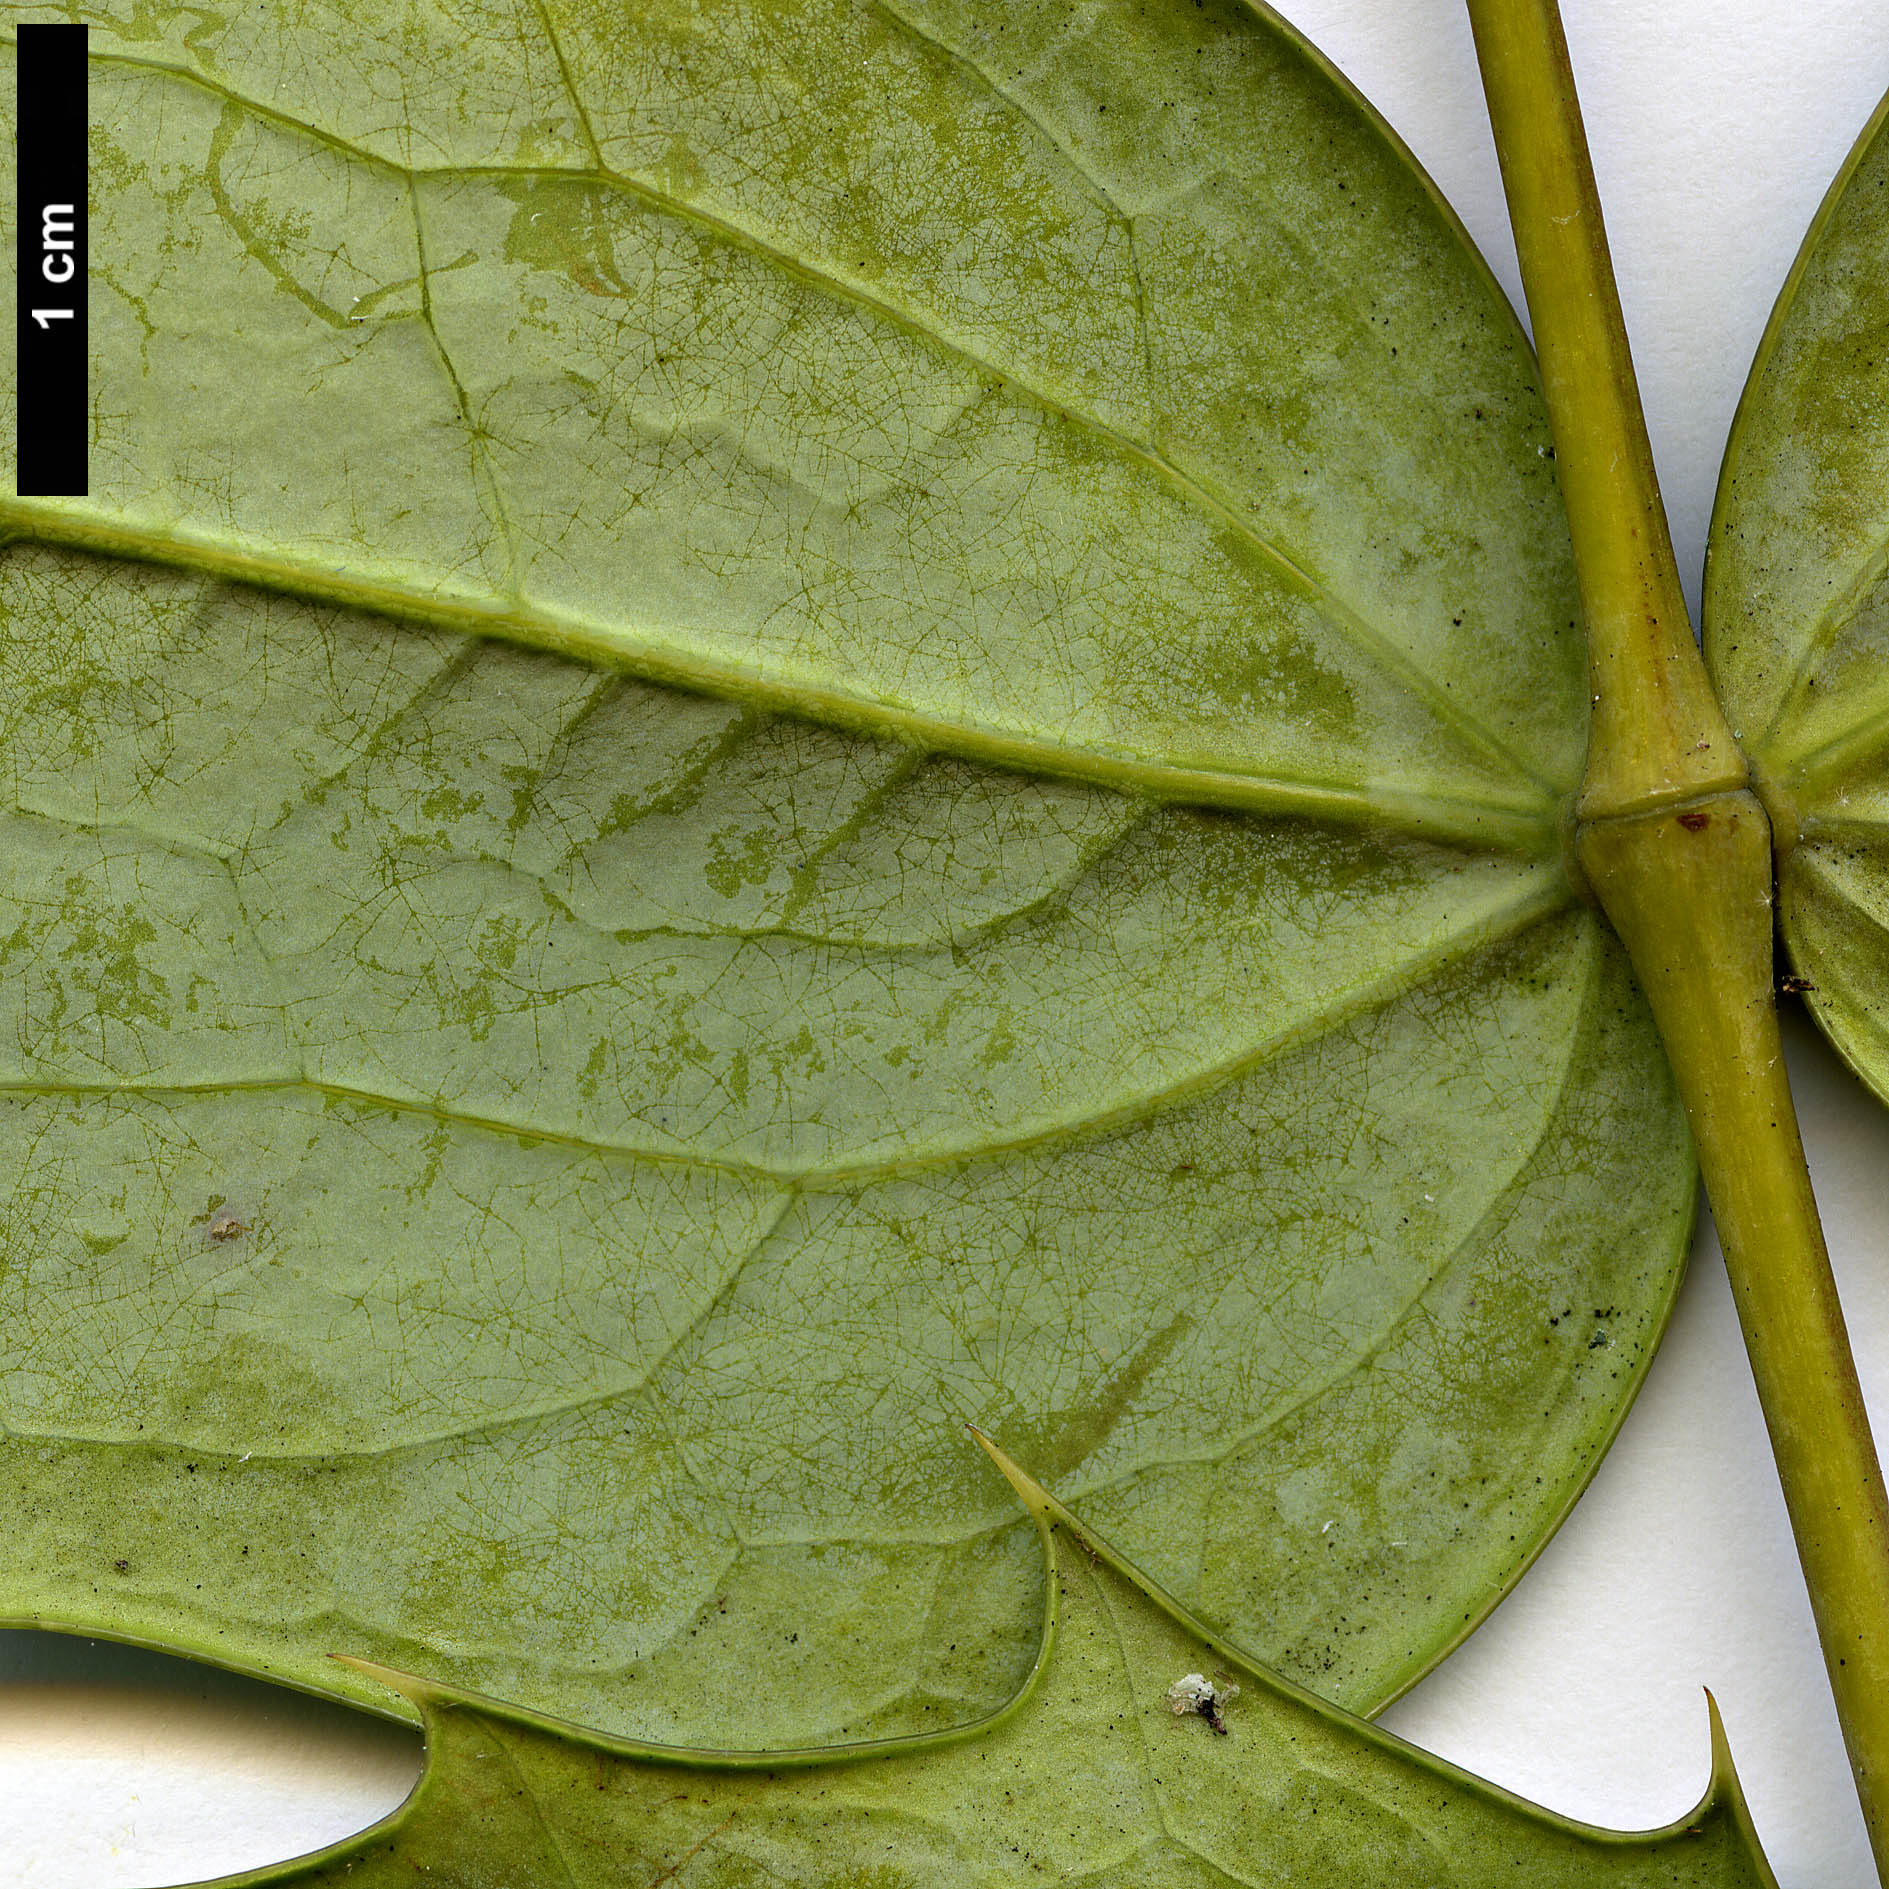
(1197, 1694)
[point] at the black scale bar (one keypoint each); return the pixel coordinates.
(54, 420)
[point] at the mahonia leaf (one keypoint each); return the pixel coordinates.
(397, 1243)
(775, 725)
(1102, 1768)
(1797, 603)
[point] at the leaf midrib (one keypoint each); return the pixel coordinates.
(1542, 895)
(1526, 826)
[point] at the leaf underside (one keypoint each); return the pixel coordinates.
(1089, 1773)
(770, 730)
(1797, 603)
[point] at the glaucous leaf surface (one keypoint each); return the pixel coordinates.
(1797, 602)
(1089, 1773)
(774, 726)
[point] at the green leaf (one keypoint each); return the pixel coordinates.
(1797, 602)
(770, 730)
(1096, 1769)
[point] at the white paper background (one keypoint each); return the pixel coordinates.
(1716, 125)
